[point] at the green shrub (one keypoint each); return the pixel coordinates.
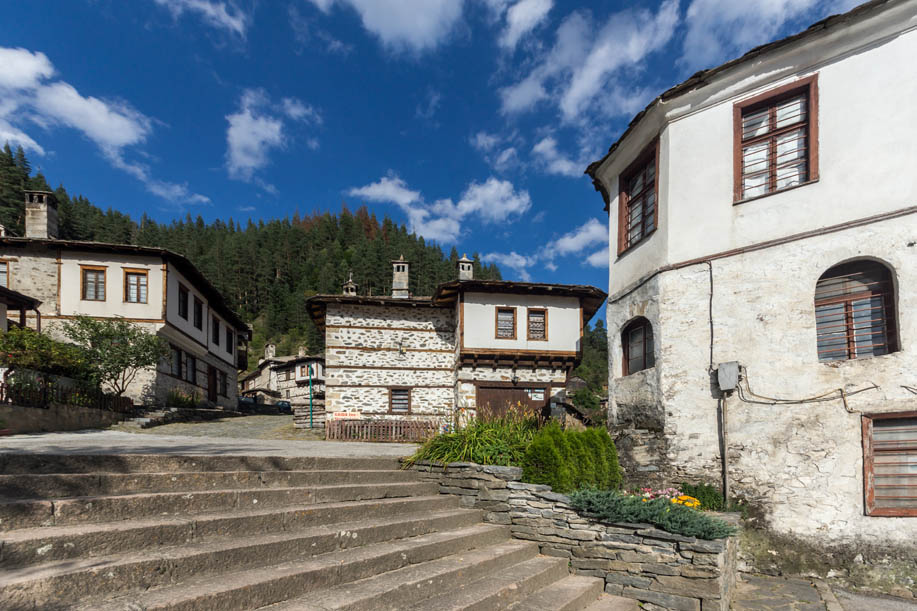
(587, 459)
(28, 349)
(179, 398)
(710, 497)
(501, 441)
(611, 506)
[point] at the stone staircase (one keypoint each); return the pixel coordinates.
(135, 532)
(149, 418)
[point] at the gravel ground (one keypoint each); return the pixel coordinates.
(244, 427)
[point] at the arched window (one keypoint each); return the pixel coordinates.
(637, 341)
(855, 312)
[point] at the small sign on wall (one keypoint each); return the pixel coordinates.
(346, 415)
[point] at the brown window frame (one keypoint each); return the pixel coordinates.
(497, 311)
(769, 99)
(528, 324)
(407, 389)
(93, 268)
(184, 296)
(644, 323)
(9, 273)
(869, 451)
(128, 271)
(649, 154)
(887, 294)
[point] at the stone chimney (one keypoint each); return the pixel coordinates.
(465, 268)
(350, 287)
(302, 351)
(400, 276)
(40, 215)
(270, 350)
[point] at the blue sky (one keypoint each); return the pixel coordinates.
(469, 120)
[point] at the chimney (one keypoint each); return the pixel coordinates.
(302, 351)
(269, 351)
(350, 287)
(40, 215)
(400, 275)
(465, 268)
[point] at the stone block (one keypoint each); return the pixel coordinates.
(622, 538)
(491, 505)
(452, 490)
(659, 569)
(497, 517)
(652, 557)
(554, 496)
(489, 494)
(627, 579)
(685, 586)
(614, 589)
(529, 487)
(715, 546)
(699, 572)
(655, 533)
(555, 551)
(668, 601)
(505, 473)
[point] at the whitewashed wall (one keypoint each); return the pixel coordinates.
(71, 297)
(480, 322)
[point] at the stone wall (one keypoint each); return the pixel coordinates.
(370, 349)
(55, 418)
(466, 376)
(638, 561)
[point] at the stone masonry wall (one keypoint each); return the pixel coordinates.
(370, 349)
(660, 569)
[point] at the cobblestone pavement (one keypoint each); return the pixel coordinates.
(242, 427)
(232, 436)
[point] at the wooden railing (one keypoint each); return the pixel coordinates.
(44, 395)
(380, 430)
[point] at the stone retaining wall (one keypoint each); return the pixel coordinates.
(21, 419)
(660, 569)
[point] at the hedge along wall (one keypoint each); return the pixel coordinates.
(636, 560)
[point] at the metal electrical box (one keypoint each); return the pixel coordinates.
(727, 375)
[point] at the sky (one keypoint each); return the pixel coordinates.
(471, 121)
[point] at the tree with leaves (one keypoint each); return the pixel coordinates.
(117, 350)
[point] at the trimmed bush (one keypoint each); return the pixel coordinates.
(587, 459)
(611, 506)
(710, 497)
(502, 441)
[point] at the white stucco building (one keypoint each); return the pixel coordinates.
(153, 287)
(475, 347)
(765, 212)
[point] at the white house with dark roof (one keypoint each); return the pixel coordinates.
(153, 287)
(762, 309)
(474, 347)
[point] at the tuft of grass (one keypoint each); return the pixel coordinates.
(612, 506)
(501, 441)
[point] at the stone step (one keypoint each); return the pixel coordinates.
(64, 485)
(29, 546)
(572, 593)
(409, 585)
(500, 590)
(607, 602)
(157, 463)
(95, 509)
(254, 588)
(70, 580)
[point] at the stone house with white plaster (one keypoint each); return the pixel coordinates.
(474, 347)
(153, 287)
(763, 216)
(285, 378)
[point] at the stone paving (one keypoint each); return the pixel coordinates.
(763, 593)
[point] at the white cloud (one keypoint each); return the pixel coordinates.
(553, 161)
(417, 25)
(500, 152)
(583, 65)
(221, 15)
(29, 95)
(257, 128)
(492, 201)
(22, 69)
(588, 234)
(522, 18)
(513, 260)
(720, 29)
(427, 109)
(599, 258)
(483, 141)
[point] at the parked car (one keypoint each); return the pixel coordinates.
(246, 404)
(284, 407)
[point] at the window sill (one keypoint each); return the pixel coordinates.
(862, 359)
(778, 192)
(630, 375)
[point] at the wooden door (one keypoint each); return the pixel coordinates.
(494, 400)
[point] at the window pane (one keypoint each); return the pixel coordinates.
(869, 326)
(3, 275)
(894, 443)
(536, 325)
(791, 111)
(400, 400)
(755, 123)
(831, 329)
(506, 323)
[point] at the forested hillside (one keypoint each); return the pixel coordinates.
(266, 270)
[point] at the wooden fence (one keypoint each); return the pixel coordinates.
(45, 394)
(380, 430)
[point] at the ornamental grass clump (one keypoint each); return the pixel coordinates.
(500, 441)
(662, 512)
